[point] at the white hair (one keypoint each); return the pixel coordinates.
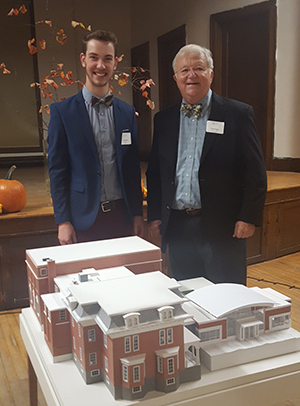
(192, 50)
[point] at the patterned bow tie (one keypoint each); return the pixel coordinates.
(191, 110)
(107, 100)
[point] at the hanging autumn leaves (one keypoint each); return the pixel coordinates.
(138, 80)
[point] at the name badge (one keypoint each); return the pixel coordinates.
(216, 127)
(126, 138)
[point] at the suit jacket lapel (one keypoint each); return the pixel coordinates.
(173, 136)
(85, 123)
(217, 113)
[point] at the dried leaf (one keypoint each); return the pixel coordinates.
(151, 104)
(42, 44)
(6, 71)
(120, 58)
(11, 13)
(63, 98)
(142, 70)
(61, 37)
(116, 76)
(35, 84)
(63, 84)
(48, 22)
(52, 83)
(48, 111)
(89, 28)
(137, 114)
(16, 12)
(74, 23)
(145, 94)
(54, 73)
(2, 65)
(46, 106)
(150, 82)
(111, 89)
(120, 93)
(133, 70)
(23, 9)
(41, 109)
(143, 87)
(70, 74)
(62, 74)
(80, 83)
(59, 66)
(32, 48)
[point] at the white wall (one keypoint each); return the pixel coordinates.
(163, 16)
(287, 98)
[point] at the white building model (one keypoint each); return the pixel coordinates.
(136, 331)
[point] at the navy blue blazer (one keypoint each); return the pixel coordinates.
(232, 175)
(74, 166)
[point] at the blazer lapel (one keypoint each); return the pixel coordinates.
(85, 124)
(173, 137)
(217, 113)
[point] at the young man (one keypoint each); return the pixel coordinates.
(206, 177)
(93, 156)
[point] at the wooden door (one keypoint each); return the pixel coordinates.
(167, 47)
(243, 46)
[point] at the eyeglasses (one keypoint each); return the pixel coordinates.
(196, 71)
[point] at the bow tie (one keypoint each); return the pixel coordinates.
(105, 100)
(191, 110)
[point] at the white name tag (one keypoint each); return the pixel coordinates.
(126, 138)
(216, 127)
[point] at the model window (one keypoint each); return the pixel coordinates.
(74, 343)
(166, 313)
(37, 305)
(136, 345)
(131, 319)
(137, 389)
(62, 315)
(93, 358)
(210, 335)
(73, 322)
(92, 335)
(170, 335)
(125, 373)
(79, 330)
(127, 344)
(43, 271)
(162, 339)
(80, 353)
(171, 366)
(95, 372)
(106, 363)
(170, 381)
(105, 340)
(278, 321)
(136, 374)
(160, 365)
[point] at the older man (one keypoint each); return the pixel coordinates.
(206, 177)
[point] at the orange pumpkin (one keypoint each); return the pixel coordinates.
(12, 193)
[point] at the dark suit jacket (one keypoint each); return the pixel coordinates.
(232, 174)
(74, 166)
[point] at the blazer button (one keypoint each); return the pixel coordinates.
(98, 173)
(168, 207)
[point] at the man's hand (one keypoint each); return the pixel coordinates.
(243, 230)
(66, 234)
(138, 226)
(154, 229)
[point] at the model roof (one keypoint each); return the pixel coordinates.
(129, 294)
(230, 297)
(95, 249)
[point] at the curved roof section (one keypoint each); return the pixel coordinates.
(224, 298)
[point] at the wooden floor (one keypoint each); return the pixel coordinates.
(282, 274)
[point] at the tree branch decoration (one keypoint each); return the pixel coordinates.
(59, 77)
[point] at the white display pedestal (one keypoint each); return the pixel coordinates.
(271, 382)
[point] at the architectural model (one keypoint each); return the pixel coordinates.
(136, 331)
